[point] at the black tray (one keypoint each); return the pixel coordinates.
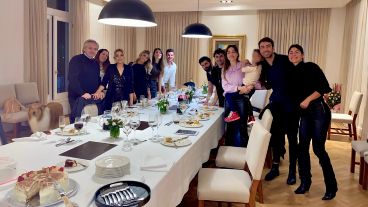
(142, 190)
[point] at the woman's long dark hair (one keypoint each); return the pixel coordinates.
(160, 61)
(106, 63)
(227, 61)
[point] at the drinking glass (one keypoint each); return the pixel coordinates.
(157, 137)
(62, 124)
(127, 146)
(124, 104)
(78, 124)
(152, 122)
(115, 109)
(175, 118)
(134, 124)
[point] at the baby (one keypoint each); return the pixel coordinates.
(252, 73)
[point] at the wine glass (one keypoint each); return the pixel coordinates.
(134, 123)
(62, 124)
(78, 124)
(127, 146)
(152, 122)
(115, 109)
(157, 137)
(124, 104)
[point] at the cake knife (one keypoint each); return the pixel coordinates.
(63, 195)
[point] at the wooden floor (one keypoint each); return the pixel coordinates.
(278, 193)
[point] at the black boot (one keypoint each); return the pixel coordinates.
(291, 180)
(304, 186)
(330, 192)
(274, 172)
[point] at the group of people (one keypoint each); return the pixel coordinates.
(296, 104)
(94, 80)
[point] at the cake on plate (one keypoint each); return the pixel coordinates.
(40, 183)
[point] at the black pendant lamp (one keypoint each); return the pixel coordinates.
(197, 30)
(130, 13)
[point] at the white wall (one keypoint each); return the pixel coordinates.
(334, 45)
(11, 41)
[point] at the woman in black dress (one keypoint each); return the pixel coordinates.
(310, 84)
(157, 72)
(141, 68)
(119, 81)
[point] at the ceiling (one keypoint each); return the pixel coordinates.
(214, 5)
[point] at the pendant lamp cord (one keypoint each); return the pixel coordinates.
(198, 11)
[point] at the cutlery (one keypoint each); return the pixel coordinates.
(63, 195)
(168, 123)
(139, 142)
(83, 165)
(68, 140)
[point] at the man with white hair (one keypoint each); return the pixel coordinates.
(84, 79)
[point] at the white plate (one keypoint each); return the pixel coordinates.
(112, 161)
(180, 143)
(35, 202)
(71, 133)
(81, 165)
(209, 108)
(184, 124)
(204, 117)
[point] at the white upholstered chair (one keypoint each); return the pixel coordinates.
(360, 147)
(234, 157)
(91, 109)
(233, 185)
(259, 100)
(349, 119)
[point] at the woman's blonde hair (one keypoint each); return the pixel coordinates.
(118, 50)
(146, 64)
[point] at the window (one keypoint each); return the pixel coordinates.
(58, 35)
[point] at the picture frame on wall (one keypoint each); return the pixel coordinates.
(222, 41)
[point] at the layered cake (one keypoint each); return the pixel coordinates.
(40, 183)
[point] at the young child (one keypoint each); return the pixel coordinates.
(252, 73)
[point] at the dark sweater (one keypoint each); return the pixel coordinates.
(277, 78)
(84, 76)
(140, 79)
(306, 79)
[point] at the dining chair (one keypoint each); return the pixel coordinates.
(365, 174)
(349, 119)
(259, 100)
(234, 157)
(90, 109)
(234, 185)
(358, 146)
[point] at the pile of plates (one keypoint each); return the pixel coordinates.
(112, 166)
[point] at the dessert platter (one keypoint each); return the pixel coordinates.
(177, 141)
(190, 124)
(36, 188)
(74, 165)
(71, 132)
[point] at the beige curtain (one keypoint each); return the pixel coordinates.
(354, 62)
(79, 13)
(111, 37)
(35, 48)
(307, 27)
(168, 35)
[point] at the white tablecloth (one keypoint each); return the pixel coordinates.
(167, 188)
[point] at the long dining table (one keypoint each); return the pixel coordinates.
(167, 186)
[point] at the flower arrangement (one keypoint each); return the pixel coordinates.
(163, 105)
(114, 126)
(333, 99)
(189, 92)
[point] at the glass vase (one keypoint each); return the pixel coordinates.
(114, 132)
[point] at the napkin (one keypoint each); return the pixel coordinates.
(28, 139)
(39, 135)
(154, 163)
